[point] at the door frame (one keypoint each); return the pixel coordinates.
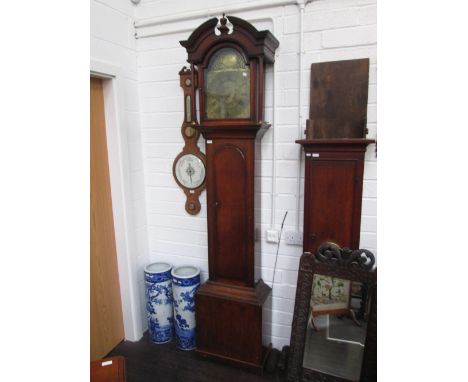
(120, 184)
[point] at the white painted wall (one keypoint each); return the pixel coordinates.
(151, 111)
(113, 53)
(334, 30)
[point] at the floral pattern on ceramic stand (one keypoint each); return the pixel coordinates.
(158, 283)
(185, 281)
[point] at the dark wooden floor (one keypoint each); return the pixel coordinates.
(147, 362)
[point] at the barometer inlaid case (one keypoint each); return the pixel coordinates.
(230, 66)
(189, 165)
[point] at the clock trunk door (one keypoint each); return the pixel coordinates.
(331, 208)
(230, 207)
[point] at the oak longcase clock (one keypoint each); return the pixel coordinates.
(229, 57)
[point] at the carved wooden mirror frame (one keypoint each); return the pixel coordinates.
(331, 260)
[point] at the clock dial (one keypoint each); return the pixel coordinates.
(190, 171)
(227, 86)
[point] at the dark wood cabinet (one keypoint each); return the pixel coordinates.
(333, 182)
(230, 67)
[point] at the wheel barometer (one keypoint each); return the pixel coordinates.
(189, 166)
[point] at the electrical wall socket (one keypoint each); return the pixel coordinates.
(272, 236)
(293, 237)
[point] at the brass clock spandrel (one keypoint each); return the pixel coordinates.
(189, 165)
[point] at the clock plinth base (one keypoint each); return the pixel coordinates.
(229, 323)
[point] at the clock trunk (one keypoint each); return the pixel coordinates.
(333, 180)
(229, 305)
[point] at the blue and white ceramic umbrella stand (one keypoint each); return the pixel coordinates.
(185, 281)
(159, 311)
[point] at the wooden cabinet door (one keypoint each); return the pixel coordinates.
(332, 204)
(230, 207)
(106, 307)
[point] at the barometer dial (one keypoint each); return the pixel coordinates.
(189, 171)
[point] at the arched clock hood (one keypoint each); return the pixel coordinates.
(241, 94)
(254, 43)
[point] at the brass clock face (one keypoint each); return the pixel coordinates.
(227, 86)
(189, 171)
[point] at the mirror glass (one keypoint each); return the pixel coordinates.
(337, 327)
(227, 86)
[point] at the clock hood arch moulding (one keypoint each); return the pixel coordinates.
(254, 43)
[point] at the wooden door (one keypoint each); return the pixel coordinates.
(230, 207)
(106, 306)
(331, 200)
